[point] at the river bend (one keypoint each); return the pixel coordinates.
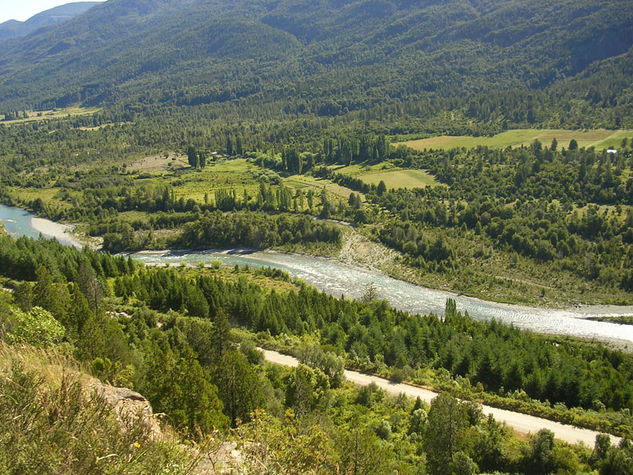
(340, 279)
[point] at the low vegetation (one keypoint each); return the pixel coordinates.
(20, 117)
(53, 423)
(599, 139)
(393, 177)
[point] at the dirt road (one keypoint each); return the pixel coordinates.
(520, 422)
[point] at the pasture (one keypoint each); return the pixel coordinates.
(305, 183)
(394, 177)
(36, 116)
(600, 139)
(225, 174)
(51, 197)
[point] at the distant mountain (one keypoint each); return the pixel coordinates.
(321, 57)
(14, 29)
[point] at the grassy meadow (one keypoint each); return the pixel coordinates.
(394, 177)
(239, 175)
(600, 139)
(235, 174)
(199, 185)
(36, 116)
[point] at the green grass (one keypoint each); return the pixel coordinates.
(599, 138)
(305, 183)
(50, 196)
(130, 216)
(239, 174)
(230, 174)
(394, 177)
(36, 116)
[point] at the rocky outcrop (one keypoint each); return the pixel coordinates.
(127, 405)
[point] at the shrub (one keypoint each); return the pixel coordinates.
(58, 428)
(37, 327)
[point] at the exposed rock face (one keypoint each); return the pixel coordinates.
(128, 405)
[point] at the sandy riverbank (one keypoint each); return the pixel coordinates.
(61, 232)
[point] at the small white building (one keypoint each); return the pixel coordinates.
(613, 151)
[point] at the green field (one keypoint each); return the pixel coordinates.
(50, 196)
(228, 175)
(305, 183)
(235, 174)
(599, 138)
(35, 116)
(394, 177)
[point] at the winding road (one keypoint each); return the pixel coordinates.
(522, 423)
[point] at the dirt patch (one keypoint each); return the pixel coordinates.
(160, 163)
(358, 250)
(102, 126)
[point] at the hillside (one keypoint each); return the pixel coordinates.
(13, 29)
(323, 58)
(62, 420)
(89, 325)
(458, 145)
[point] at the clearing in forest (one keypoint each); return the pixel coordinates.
(394, 177)
(230, 175)
(36, 116)
(600, 139)
(306, 183)
(156, 163)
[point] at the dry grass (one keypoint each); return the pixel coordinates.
(51, 364)
(159, 163)
(50, 422)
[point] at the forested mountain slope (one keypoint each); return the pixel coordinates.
(323, 57)
(60, 14)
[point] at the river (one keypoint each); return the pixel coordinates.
(339, 279)
(18, 222)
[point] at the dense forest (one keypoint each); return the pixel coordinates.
(569, 208)
(491, 62)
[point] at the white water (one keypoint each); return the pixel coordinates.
(339, 279)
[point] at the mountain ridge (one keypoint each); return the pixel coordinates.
(16, 29)
(346, 54)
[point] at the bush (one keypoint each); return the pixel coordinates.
(397, 375)
(57, 428)
(37, 327)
